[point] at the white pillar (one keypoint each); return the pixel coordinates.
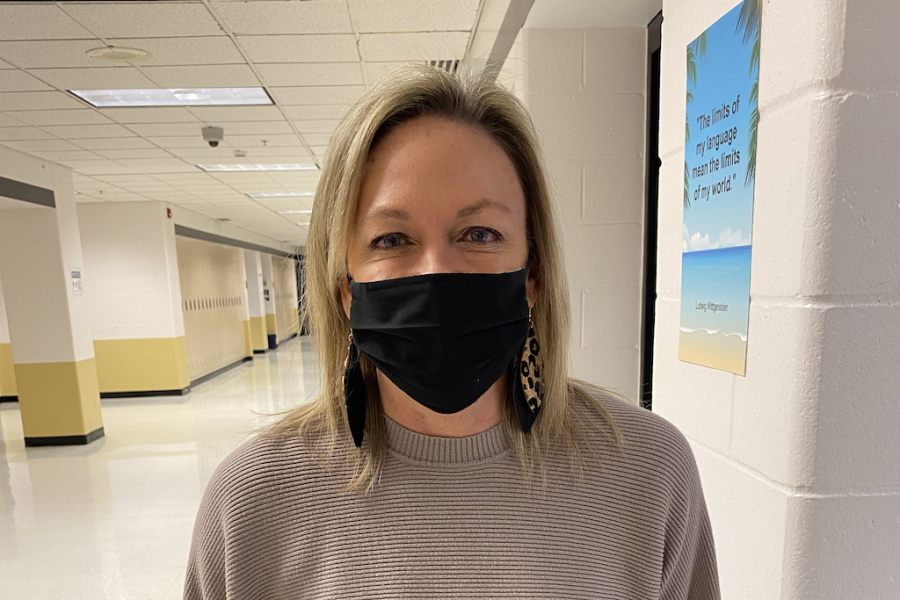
(799, 459)
(43, 273)
(255, 301)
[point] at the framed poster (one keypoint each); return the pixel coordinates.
(719, 174)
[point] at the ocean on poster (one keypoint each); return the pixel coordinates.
(714, 322)
(719, 179)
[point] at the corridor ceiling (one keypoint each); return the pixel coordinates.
(312, 56)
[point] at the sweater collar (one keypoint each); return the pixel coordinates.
(446, 451)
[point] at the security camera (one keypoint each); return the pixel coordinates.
(213, 135)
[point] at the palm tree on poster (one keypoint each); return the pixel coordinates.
(695, 50)
(748, 21)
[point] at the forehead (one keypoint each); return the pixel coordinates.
(436, 161)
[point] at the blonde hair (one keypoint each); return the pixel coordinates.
(408, 93)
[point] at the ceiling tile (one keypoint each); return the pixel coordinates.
(168, 129)
(318, 111)
(36, 54)
(384, 16)
(256, 128)
(97, 78)
(37, 100)
(20, 81)
(207, 76)
(6, 65)
(157, 165)
(315, 126)
(136, 153)
(387, 47)
(8, 134)
(194, 141)
(266, 17)
(92, 166)
(22, 21)
(185, 51)
(317, 139)
(9, 121)
(145, 19)
(325, 94)
(299, 74)
(114, 143)
(249, 142)
(81, 116)
(319, 151)
(373, 71)
(150, 115)
(299, 48)
(75, 132)
(212, 114)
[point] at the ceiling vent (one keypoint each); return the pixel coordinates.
(445, 65)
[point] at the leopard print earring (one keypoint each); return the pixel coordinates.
(526, 383)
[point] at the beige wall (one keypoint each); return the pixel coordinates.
(585, 89)
(799, 459)
(214, 302)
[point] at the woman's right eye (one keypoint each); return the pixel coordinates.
(388, 241)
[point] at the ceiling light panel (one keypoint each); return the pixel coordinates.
(260, 167)
(175, 97)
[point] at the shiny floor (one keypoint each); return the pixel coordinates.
(112, 520)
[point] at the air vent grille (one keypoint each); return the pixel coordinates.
(447, 65)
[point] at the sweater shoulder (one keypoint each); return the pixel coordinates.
(651, 445)
(259, 466)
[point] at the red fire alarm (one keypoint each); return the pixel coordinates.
(169, 212)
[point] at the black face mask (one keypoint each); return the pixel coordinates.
(443, 338)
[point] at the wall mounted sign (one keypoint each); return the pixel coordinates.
(719, 175)
(77, 289)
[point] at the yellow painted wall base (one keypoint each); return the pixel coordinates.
(59, 399)
(248, 341)
(142, 365)
(258, 333)
(7, 371)
(271, 326)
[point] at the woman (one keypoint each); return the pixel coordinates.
(449, 454)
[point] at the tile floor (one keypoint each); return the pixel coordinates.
(113, 520)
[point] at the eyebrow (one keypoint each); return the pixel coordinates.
(479, 206)
(387, 213)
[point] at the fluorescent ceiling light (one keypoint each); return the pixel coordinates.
(255, 167)
(280, 194)
(294, 212)
(176, 97)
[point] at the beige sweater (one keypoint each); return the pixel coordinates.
(450, 518)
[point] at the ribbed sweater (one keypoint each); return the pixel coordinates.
(454, 518)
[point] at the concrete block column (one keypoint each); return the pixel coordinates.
(256, 301)
(799, 458)
(585, 89)
(134, 298)
(41, 268)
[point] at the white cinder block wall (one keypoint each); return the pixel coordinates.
(585, 89)
(131, 270)
(799, 459)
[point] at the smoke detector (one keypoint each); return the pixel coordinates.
(118, 55)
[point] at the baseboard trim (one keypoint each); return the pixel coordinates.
(9, 398)
(145, 393)
(64, 440)
(260, 351)
(217, 372)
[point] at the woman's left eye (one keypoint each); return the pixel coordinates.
(481, 235)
